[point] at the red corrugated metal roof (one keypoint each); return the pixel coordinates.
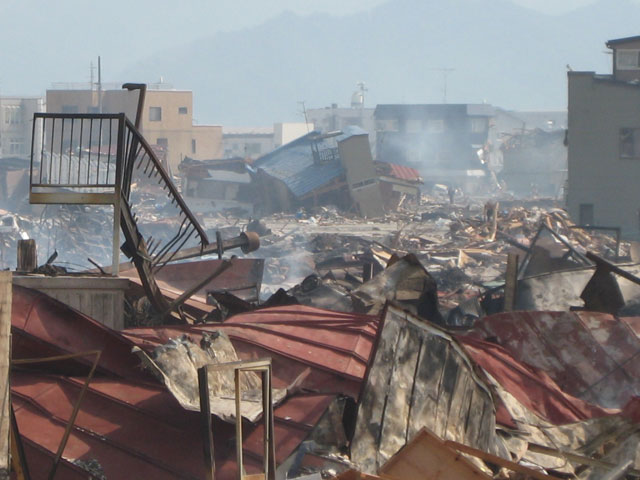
(134, 427)
(593, 356)
(334, 345)
(530, 386)
(404, 173)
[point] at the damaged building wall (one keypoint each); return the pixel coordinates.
(535, 163)
(419, 377)
(603, 149)
(355, 154)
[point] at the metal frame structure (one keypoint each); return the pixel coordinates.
(262, 366)
(95, 159)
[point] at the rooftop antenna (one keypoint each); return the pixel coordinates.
(357, 99)
(445, 73)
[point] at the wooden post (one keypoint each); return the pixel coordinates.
(205, 413)
(5, 352)
(27, 256)
(511, 282)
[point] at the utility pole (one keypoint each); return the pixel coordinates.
(99, 86)
(445, 73)
(304, 112)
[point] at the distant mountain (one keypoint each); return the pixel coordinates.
(502, 53)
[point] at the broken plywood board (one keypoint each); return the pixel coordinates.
(427, 456)
(420, 377)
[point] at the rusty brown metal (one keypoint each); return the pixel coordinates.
(76, 406)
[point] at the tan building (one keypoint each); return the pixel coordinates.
(167, 119)
(604, 142)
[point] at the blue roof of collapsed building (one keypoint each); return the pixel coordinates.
(293, 164)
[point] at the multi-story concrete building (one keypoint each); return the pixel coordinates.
(252, 142)
(604, 142)
(334, 118)
(167, 119)
(16, 124)
(446, 143)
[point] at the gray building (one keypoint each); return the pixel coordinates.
(333, 118)
(604, 142)
(16, 123)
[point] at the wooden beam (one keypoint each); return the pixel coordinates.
(5, 352)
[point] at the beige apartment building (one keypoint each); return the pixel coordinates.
(167, 119)
(604, 142)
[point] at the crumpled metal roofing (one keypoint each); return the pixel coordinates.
(592, 356)
(133, 426)
(293, 164)
(334, 346)
(532, 387)
(404, 173)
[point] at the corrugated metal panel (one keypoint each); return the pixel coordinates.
(134, 427)
(531, 387)
(293, 164)
(335, 346)
(593, 356)
(419, 377)
(404, 173)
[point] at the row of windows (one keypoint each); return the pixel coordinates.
(155, 113)
(14, 146)
(476, 125)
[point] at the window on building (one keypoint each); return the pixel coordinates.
(252, 149)
(630, 143)
(193, 145)
(155, 114)
(182, 110)
(478, 124)
(388, 125)
(93, 109)
(435, 125)
(162, 142)
(70, 109)
(12, 115)
(628, 59)
(413, 126)
(16, 146)
(586, 214)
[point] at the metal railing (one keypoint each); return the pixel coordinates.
(103, 159)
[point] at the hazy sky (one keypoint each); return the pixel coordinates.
(140, 28)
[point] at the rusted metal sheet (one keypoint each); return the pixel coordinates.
(133, 430)
(132, 425)
(532, 387)
(334, 346)
(244, 280)
(419, 377)
(593, 356)
(42, 326)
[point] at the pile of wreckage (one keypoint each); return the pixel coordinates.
(415, 352)
(449, 339)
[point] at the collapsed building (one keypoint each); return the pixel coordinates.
(432, 340)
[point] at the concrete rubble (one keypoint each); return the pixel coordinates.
(445, 337)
